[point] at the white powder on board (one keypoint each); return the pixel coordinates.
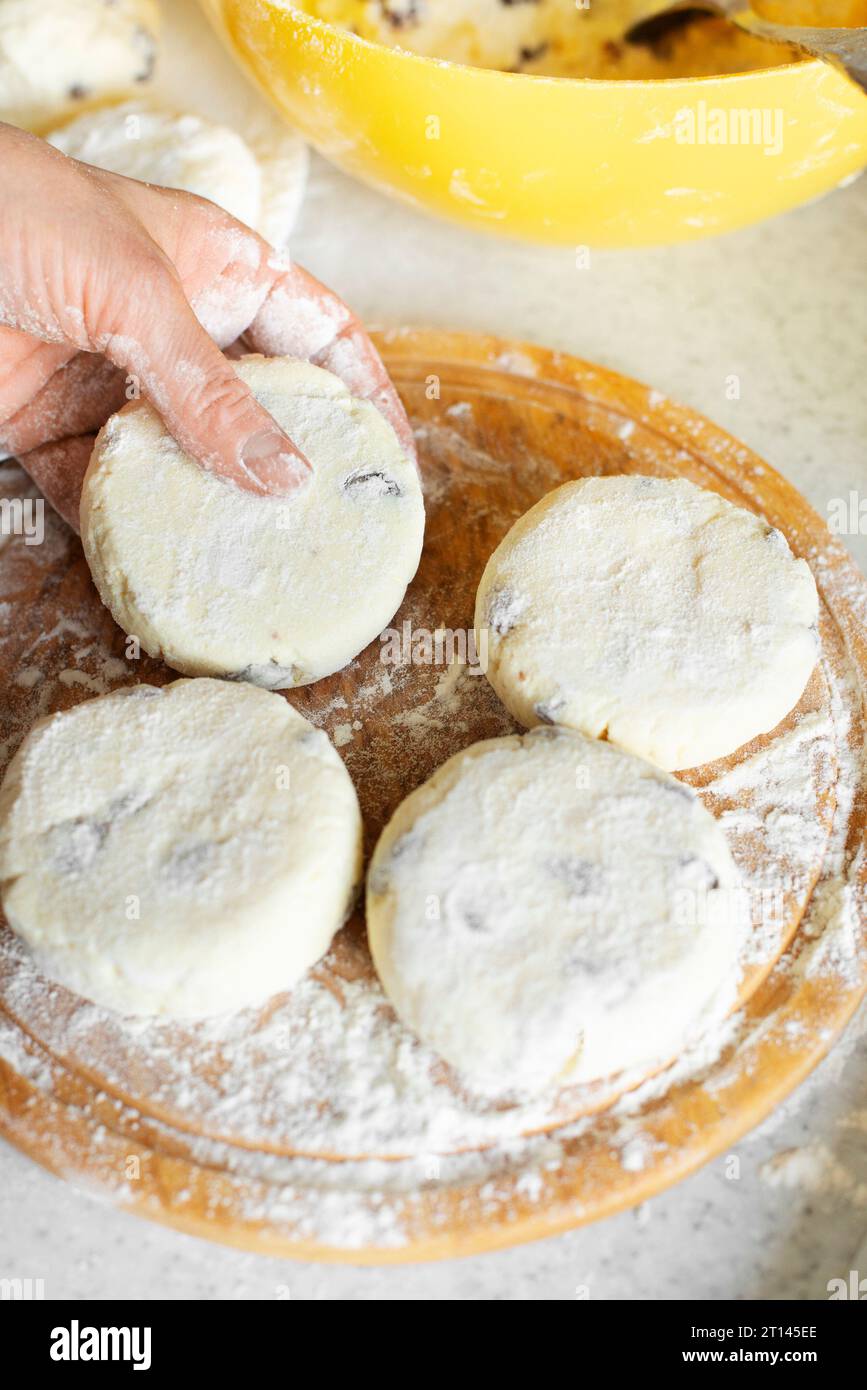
(341, 1074)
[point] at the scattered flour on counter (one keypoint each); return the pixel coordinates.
(856, 1119)
(812, 1168)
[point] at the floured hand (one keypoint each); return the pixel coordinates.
(110, 287)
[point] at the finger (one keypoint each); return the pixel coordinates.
(302, 318)
(26, 364)
(58, 471)
(222, 265)
(236, 282)
(353, 358)
(77, 399)
(204, 404)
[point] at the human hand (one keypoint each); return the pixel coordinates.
(109, 287)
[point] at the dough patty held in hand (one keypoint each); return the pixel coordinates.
(651, 612)
(260, 180)
(180, 851)
(220, 581)
(548, 909)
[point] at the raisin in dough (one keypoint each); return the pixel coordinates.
(260, 184)
(182, 851)
(56, 56)
(651, 612)
(548, 909)
(225, 582)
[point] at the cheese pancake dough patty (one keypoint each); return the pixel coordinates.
(548, 909)
(651, 612)
(180, 851)
(259, 180)
(220, 581)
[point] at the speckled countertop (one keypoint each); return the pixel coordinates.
(782, 307)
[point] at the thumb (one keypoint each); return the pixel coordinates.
(203, 402)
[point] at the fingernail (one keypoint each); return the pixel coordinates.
(272, 462)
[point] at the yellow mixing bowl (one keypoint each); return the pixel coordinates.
(586, 162)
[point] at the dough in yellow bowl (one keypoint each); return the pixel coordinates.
(712, 131)
(556, 38)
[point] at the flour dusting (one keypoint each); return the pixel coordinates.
(328, 1070)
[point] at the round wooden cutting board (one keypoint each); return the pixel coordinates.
(317, 1127)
